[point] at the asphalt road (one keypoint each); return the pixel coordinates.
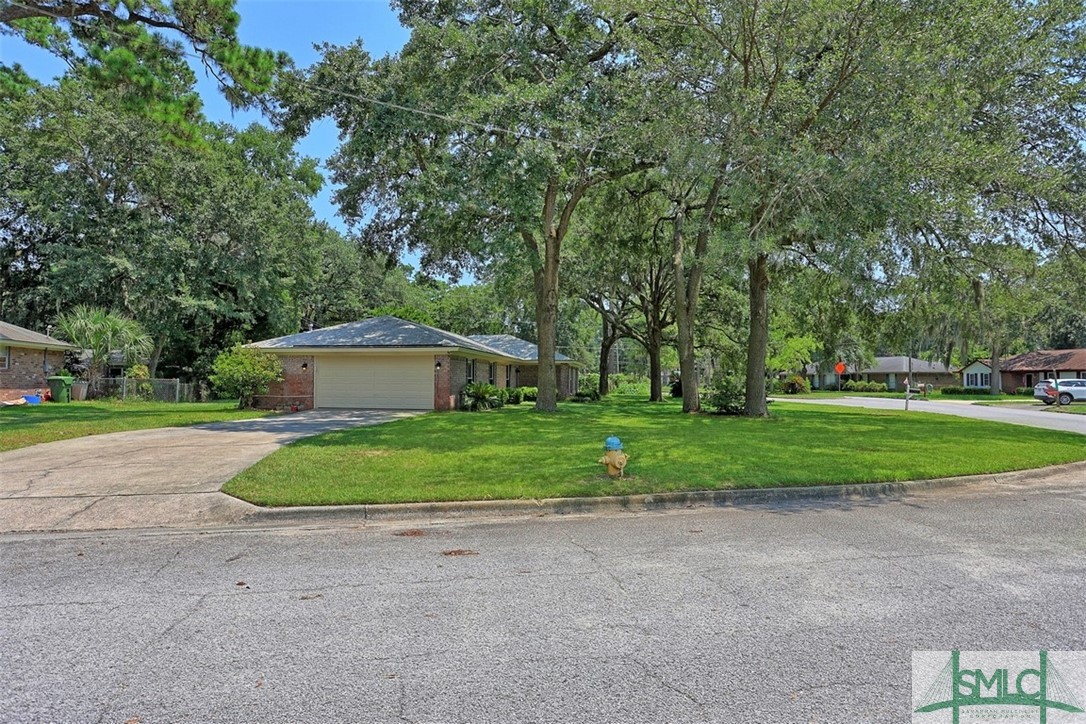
(796, 612)
(1034, 417)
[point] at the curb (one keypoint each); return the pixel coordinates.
(631, 503)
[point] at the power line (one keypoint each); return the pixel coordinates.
(486, 127)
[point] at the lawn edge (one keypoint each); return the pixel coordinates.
(631, 503)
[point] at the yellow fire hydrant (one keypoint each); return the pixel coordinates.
(614, 458)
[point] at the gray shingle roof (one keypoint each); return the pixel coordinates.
(12, 335)
(376, 333)
(515, 347)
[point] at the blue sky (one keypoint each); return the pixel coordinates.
(293, 26)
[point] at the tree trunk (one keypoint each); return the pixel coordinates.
(684, 318)
(995, 384)
(758, 341)
(606, 343)
(546, 313)
(156, 355)
(656, 392)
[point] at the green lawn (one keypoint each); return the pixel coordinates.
(33, 424)
(514, 453)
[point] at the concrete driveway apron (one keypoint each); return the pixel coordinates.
(167, 477)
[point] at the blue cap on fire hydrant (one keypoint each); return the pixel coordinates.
(612, 443)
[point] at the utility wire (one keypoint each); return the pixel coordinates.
(488, 128)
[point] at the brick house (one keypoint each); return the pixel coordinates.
(26, 359)
(1026, 370)
(390, 363)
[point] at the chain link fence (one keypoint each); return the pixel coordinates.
(150, 390)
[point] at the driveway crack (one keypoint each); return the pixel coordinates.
(82, 510)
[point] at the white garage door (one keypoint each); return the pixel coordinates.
(373, 381)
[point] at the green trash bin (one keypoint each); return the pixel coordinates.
(60, 387)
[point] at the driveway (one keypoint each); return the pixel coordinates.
(148, 478)
(1031, 418)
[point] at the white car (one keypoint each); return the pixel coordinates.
(1069, 391)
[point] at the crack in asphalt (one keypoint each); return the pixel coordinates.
(659, 679)
(596, 559)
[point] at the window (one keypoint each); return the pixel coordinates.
(471, 370)
(492, 373)
(985, 379)
(971, 379)
(509, 375)
(5, 357)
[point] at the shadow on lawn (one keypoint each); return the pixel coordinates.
(651, 425)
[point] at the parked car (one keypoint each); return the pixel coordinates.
(1069, 391)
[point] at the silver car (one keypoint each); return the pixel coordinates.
(1069, 391)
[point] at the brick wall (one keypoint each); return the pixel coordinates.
(457, 377)
(25, 373)
(295, 389)
(444, 392)
(567, 376)
(529, 375)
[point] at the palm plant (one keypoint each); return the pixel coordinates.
(479, 396)
(100, 333)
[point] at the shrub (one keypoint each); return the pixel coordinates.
(628, 383)
(140, 386)
(590, 381)
(589, 388)
(676, 384)
(954, 390)
(528, 394)
(1026, 391)
(479, 396)
(515, 396)
(244, 372)
(586, 396)
(850, 386)
(797, 384)
(725, 396)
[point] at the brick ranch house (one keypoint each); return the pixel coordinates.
(1026, 370)
(26, 359)
(390, 363)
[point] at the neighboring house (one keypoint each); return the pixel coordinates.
(1026, 370)
(892, 371)
(390, 363)
(526, 372)
(977, 374)
(26, 359)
